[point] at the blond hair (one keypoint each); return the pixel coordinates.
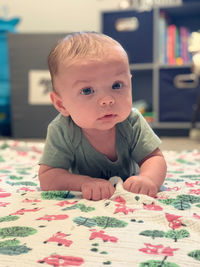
(78, 45)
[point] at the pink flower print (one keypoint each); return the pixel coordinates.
(101, 234)
(123, 208)
(66, 202)
(4, 204)
(31, 200)
(195, 191)
(120, 200)
(152, 206)
(5, 195)
(22, 153)
(54, 217)
(175, 188)
(158, 250)
(167, 251)
(60, 239)
(35, 149)
(174, 221)
(22, 211)
(27, 189)
(191, 184)
(151, 249)
(58, 260)
(196, 216)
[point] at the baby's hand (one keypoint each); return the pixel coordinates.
(97, 189)
(141, 185)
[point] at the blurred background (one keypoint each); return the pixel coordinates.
(161, 38)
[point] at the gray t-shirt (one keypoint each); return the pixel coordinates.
(66, 147)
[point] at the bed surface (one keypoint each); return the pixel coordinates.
(62, 229)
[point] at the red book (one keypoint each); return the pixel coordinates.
(171, 44)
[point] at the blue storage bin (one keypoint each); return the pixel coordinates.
(177, 103)
(131, 39)
(4, 92)
(6, 26)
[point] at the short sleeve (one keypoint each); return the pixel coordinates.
(143, 139)
(58, 150)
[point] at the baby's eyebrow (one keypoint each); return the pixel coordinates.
(80, 81)
(121, 72)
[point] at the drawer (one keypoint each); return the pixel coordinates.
(134, 30)
(176, 102)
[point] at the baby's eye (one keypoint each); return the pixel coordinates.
(87, 91)
(117, 85)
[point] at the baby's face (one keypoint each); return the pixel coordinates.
(96, 93)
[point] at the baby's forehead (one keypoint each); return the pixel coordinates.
(103, 55)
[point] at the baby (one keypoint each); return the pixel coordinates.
(97, 134)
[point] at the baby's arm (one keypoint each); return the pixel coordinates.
(151, 175)
(61, 179)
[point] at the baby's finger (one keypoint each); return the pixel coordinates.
(135, 188)
(111, 190)
(152, 192)
(87, 193)
(144, 191)
(127, 185)
(105, 193)
(96, 193)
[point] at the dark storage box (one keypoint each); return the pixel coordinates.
(177, 104)
(139, 42)
(29, 52)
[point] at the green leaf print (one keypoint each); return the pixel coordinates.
(168, 201)
(104, 222)
(183, 161)
(14, 177)
(177, 180)
(189, 198)
(2, 159)
(195, 254)
(58, 195)
(9, 243)
(101, 221)
(191, 176)
(84, 221)
(25, 183)
(179, 234)
(9, 218)
(14, 250)
(181, 205)
(84, 208)
(4, 146)
(16, 231)
(153, 233)
(153, 263)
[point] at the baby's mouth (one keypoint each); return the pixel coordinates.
(108, 116)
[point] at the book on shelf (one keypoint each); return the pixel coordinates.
(184, 36)
(173, 42)
(162, 38)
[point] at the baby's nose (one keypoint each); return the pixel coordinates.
(106, 101)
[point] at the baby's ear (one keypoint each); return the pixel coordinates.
(58, 104)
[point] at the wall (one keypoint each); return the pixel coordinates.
(57, 15)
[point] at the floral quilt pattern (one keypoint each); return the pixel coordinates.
(59, 228)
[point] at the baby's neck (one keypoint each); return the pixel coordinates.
(103, 141)
(93, 134)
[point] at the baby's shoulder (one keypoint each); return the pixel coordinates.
(65, 127)
(129, 127)
(134, 116)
